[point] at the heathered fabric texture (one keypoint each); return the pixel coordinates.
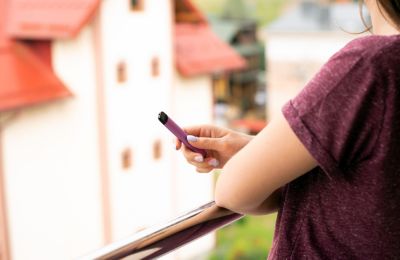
(348, 117)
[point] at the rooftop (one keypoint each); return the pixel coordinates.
(309, 16)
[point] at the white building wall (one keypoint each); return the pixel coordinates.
(140, 195)
(51, 166)
(151, 191)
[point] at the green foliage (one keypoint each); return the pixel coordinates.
(264, 11)
(210, 6)
(236, 9)
(247, 239)
(268, 10)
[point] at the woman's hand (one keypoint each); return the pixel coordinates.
(220, 143)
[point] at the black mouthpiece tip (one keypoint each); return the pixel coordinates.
(163, 117)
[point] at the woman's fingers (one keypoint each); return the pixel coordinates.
(190, 155)
(207, 166)
(200, 130)
(204, 170)
(178, 144)
(206, 143)
(197, 160)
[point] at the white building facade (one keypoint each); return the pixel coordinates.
(84, 171)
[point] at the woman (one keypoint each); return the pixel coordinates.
(331, 162)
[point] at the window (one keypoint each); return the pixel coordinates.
(220, 85)
(157, 148)
(126, 159)
(136, 5)
(121, 72)
(155, 67)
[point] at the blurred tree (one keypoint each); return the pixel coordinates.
(264, 11)
(236, 9)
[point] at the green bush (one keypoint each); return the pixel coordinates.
(248, 238)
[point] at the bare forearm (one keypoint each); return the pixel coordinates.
(268, 206)
(272, 159)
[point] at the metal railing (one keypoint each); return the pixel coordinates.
(163, 239)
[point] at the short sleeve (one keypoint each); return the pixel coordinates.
(337, 116)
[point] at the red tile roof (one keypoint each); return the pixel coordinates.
(25, 79)
(48, 19)
(199, 51)
(186, 6)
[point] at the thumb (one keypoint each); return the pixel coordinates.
(203, 142)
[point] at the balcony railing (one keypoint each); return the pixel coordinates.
(163, 239)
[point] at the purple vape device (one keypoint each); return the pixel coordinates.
(178, 132)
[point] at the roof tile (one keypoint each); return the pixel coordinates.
(199, 51)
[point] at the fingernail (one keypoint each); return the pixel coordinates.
(199, 158)
(191, 138)
(213, 162)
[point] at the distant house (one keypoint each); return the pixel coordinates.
(300, 41)
(244, 89)
(83, 158)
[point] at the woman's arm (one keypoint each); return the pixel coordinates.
(268, 206)
(269, 161)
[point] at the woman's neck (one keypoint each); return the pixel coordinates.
(381, 23)
(384, 27)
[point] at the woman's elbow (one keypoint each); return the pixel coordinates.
(234, 205)
(229, 192)
(223, 199)
(227, 204)
(229, 199)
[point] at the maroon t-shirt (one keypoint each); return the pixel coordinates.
(348, 117)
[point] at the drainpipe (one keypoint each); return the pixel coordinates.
(102, 129)
(4, 235)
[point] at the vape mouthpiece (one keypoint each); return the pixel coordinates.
(163, 117)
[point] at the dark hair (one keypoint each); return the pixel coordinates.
(367, 27)
(392, 8)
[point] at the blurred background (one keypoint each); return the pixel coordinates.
(83, 158)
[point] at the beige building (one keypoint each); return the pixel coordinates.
(301, 41)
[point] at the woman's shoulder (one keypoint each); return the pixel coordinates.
(373, 46)
(374, 51)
